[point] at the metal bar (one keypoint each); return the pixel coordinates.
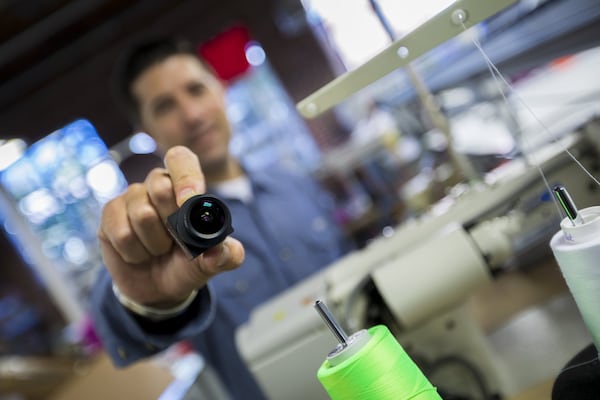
(445, 25)
(331, 322)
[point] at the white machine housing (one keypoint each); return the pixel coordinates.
(424, 273)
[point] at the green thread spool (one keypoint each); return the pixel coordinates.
(379, 370)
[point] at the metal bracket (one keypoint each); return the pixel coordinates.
(445, 25)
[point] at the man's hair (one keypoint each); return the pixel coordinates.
(138, 58)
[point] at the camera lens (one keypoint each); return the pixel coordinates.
(207, 217)
(202, 221)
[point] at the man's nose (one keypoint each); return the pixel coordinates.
(191, 111)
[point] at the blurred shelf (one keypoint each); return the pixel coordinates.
(33, 378)
(101, 380)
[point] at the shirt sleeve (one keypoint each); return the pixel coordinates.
(123, 337)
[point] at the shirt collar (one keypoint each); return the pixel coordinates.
(260, 180)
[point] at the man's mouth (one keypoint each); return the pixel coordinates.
(204, 135)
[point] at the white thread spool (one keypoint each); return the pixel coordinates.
(577, 251)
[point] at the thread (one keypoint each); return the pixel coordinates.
(499, 80)
(576, 248)
(380, 370)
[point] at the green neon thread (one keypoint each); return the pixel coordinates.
(381, 370)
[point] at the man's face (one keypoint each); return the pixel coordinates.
(181, 103)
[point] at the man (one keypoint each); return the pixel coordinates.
(150, 295)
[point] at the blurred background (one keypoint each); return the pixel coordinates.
(65, 149)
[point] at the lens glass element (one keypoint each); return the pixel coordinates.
(207, 218)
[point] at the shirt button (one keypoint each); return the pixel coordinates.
(242, 286)
(285, 254)
(319, 224)
(122, 353)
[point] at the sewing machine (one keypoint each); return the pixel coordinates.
(418, 279)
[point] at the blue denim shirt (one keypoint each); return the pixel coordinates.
(287, 233)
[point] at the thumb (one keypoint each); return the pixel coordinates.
(185, 172)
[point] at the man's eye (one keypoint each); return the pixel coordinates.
(163, 107)
(196, 89)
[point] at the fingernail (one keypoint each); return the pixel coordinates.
(223, 255)
(216, 256)
(185, 194)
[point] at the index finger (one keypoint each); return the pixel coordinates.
(185, 172)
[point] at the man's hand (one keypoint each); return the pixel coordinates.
(139, 252)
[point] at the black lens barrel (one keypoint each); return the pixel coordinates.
(202, 222)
